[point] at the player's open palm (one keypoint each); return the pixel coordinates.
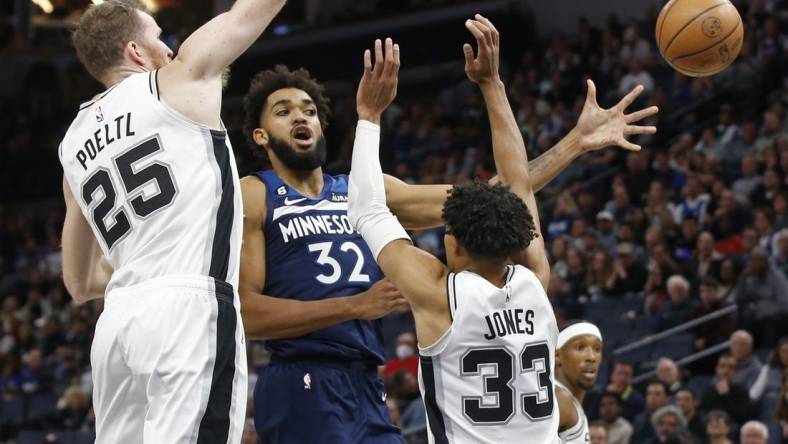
(379, 300)
(378, 85)
(599, 127)
(484, 66)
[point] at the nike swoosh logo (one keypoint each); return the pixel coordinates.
(294, 201)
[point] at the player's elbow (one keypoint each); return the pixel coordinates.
(77, 289)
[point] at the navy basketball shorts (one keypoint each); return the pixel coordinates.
(308, 402)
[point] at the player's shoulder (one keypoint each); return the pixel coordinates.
(566, 407)
(254, 194)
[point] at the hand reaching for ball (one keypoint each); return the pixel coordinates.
(598, 127)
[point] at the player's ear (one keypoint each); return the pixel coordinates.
(134, 53)
(558, 358)
(260, 136)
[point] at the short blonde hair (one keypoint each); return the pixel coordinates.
(103, 31)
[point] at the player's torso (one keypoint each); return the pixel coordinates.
(313, 253)
(490, 377)
(160, 192)
(579, 433)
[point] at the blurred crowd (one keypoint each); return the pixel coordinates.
(695, 222)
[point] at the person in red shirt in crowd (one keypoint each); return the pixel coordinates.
(407, 359)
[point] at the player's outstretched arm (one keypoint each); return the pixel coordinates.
(270, 317)
(507, 140)
(420, 276)
(85, 271)
(215, 45)
(419, 206)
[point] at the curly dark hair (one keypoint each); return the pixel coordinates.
(265, 83)
(490, 221)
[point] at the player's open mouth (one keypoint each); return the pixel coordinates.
(302, 136)
(590, 374)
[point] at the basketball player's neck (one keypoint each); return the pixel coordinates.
(576, 391)
(309, 183)
(119, 73)
(493, 271)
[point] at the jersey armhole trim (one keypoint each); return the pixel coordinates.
(451, 291)
(153, 84)
(510, 273)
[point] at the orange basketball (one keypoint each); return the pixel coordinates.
(699, 37)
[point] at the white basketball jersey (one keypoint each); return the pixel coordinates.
(160, 191)
(489, 378)
(578, 433)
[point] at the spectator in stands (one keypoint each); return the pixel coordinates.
(728, 279)
(767, 388)
(679, 305)
(762, 294)
(598, 273)
(669, 373)
(636, 76)
(716, 330)
(605, 230)
(656, 398)
(768, 191)
(670, 426)
(628, 275)
(731, 211)
(34, 376)
(780, 254)
(724, 394)
(748, 366)
(707, 261)
(754, 432)
(750, 179)
(620, 382)
(781, 412)
(694, 203)
(621, 203)
(72, 409)
(407, 359)
(597, 433)
(718, 427)
(686, 401)
(619, 430)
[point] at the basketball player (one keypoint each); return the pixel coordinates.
(487, 332)
(577, 360)
(309, 284)
(153, 220)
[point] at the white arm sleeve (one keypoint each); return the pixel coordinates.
(366, 207)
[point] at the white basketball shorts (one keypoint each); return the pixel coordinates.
(169, 364)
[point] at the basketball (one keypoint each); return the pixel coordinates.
(699, 37)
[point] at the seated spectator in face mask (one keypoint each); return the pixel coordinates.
(407, 358)
(754, 432)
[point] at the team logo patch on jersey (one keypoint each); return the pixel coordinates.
(99, 114)
(338, 197)
(281, 190)
(307, 381)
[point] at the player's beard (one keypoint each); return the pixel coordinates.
(299, 160)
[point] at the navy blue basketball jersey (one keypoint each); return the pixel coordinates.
(313, 253)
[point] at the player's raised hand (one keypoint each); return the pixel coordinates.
(483, 67)
(379, 300)
(378, 85)
(598, 128)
